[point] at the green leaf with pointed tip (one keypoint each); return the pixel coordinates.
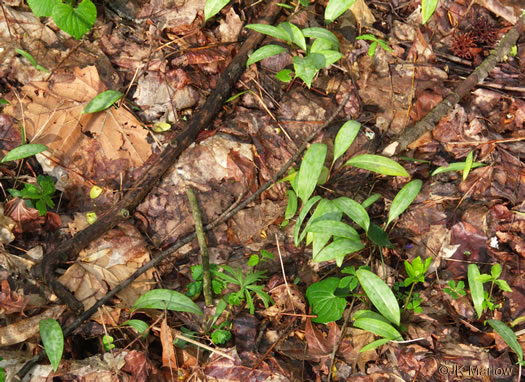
(374, 344)
(270, 30)
(335, 228)
(377, 163)
(370, 200)
(294, 33)
(337, 250)
(428, 8)
(75, 21)
(53, 340)
(307, 67)
(379, 236)
(326, 210)
(310, 169)
(508, 336)
(30, 58)
(325, 304)
(354, 211)
(468, 165)
(372, 49)
(304, 211)
(4, 102)
(24, 151)
(291, 208)
(345, 137)
(321, 34)
(403, 199)
(330, 57)
(375, 323)
(212, 7)
(336, 8)
(140, 326)
(264, 52)
(380, 295)
(476, 288)
(285, 75)
(457, 166)
(102, 101)
(367, 37)
(166, 299)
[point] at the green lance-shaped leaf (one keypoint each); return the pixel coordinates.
(403, 199)
(380, 295)
(428, 8)
(508, 336)
(336, 8)
(302, 215)
(310, 170)
(166, 299)
(476, 288)
(468, 165)
(378, 164)
(457, 166)
(345, 137)
(321, 33)
(375, 323)
(291, 208)
(264, 52)
(294, 33)
(354, 211)
(270, 30)
(212, 7)
(102, 101)
(53, 340)
(75, 21)
(140, 326)
(333, 227)
(337, 250)
(23, 151)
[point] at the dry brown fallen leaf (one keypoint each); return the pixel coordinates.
(24, 329)
(105, 263)
(97, 147)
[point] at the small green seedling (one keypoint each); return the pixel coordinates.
(480, 298)
(194, 288)
(42, 192)
(108, 343)
(455, 290)
(458, 166)
(265, 256)
(74, 21)
(247, 284)
(375, 43)
(53, 340)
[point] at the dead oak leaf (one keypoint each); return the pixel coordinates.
(97, 145)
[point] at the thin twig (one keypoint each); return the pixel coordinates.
(205, 259)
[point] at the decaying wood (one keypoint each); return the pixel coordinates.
(68, 249)
(446, 105)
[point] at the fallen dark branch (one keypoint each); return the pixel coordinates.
(446, 105)
(68, 249)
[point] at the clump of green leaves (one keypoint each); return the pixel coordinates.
(481, 298)
(37, 195)
(331, 238)
(194, 288)
(307, 59)
(455, 290)
(416, 274)
(74, 21)
(375, 43)
(246, 284)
